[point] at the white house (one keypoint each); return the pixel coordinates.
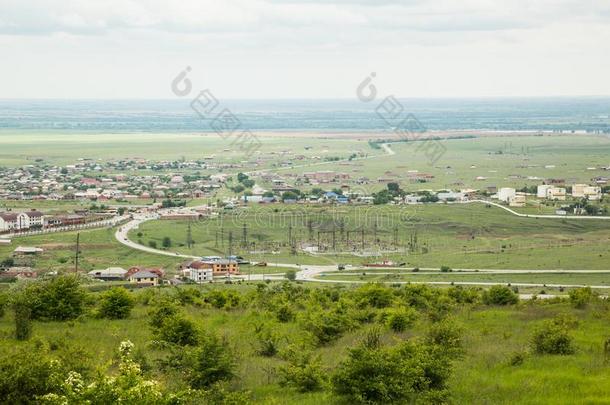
(586, 191)
(542, 189)
(204, 275)
(556, 193)
(506, 194)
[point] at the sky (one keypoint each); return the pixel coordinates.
(262, 49)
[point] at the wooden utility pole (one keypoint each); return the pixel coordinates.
(189, 236)
(77, 253)
(244, 236)
(230, 243)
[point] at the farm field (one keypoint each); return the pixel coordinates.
(470, 236)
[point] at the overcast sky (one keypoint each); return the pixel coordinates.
(304, 48)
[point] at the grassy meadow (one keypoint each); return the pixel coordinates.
(470, 236)
(485, 373)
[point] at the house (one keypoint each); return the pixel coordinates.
(556, 193)
(542, 189)
(202, 275)
(145, 278)
(219, 267)
(111, 273)
(27, 250)
(517, 200)
(451, 196)
(8, 221)
(586, 191)
(506, 194)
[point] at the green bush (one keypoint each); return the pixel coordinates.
(226, 299)
(302, 371)
(500, 295)
(552, 338)
(447, 335)
(327, 326)
(374, 295)
(291, 274)
(400, 319)
(177, 330)
(580, 297)
(405, 373)
(116, 303)
(59, 299)
(210, 362)
(284, 313)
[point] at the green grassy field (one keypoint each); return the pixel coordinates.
(548, 278)
(482, 375)
(460, 236)
(99, 250)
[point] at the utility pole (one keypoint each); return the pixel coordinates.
(244, 236)
(230, 243)
(189, 236)
(77, 253)
(362, 238)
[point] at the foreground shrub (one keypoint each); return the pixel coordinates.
(60, 298)
(267, 343)
(400, 319)
(303, 370)
(116, 303)
(128, 387)
(374, 295)
(327, 326)
(580, 297)
(212, 361)
(447, 335)
(500, 295)
(400, 374)
(177, 330)
(26, 374)
(226, 299)
(552, 338)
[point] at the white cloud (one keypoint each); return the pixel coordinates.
(304, 48)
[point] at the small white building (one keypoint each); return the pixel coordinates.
(586, 191)
(205, 275)
(556, 193)
(542, 189)
(506, 194)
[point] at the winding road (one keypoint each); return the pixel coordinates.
(317, 273)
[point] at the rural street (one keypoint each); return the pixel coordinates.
(315, 272)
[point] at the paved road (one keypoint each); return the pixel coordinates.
(535, 215)
(314, 273)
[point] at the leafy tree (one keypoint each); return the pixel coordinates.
(167, 242)
(289, 195)
(116, 303)
(241, 177)
(248, 183)
(152, 244)
(291, 274)
(500, 295)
